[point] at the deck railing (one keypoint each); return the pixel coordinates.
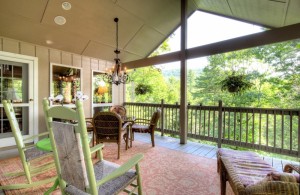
(271, 130)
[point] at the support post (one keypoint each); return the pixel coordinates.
(183, 74)
(298, 134)
(162, 128)
(220, 121)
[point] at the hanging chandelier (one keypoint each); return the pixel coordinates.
(117, 75)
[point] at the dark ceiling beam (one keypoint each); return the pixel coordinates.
(161, 59)
(258, 39)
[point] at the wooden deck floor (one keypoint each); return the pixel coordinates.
(204, 150)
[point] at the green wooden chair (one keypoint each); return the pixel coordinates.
(72, 153)
(27, 154)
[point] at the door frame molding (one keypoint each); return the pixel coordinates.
(33, 89)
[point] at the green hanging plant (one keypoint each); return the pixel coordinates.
(142, 89)
(235, 84)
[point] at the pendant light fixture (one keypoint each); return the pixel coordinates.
(117, 75)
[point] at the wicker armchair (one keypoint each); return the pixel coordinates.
(120, 110)
(109, 127)
(146, 126)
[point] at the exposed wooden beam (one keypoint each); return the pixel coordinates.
(258, 39)
(166, 58)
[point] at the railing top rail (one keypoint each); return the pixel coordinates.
(278, 111)
(153, 105)
(203, 107)
(266, 109)
(141, 104)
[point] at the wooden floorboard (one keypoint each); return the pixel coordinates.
(199, 149)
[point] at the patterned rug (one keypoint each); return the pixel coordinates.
(15, 165)
(163, 171)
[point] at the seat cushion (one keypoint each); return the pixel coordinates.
(74, 191)
(140, 128)
(103, 168)
(236, 154)
(33, 153)
(246, 167)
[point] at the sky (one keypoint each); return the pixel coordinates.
(204, 28)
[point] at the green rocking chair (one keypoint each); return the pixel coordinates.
(27, 154)
(76, 172)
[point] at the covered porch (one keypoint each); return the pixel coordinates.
(184, 167)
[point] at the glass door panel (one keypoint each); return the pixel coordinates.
(14, 87)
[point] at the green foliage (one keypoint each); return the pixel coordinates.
(162, 88)
(142, 89)
(271, 74)
(235, 84)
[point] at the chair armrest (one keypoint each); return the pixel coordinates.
(142, 120)
(34, 136)
(285, 183)
(122, 169)
(96, 148)
(274, 187)
(289, 168)
(89, 121)
(126, 124)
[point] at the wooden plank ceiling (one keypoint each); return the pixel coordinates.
(143, 25)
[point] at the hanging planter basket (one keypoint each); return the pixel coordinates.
(142, 89)
(235, 84)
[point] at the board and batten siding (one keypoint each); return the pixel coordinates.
(47, 55)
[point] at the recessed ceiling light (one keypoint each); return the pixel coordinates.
(66, 5)
(60, 20)
(49, 42)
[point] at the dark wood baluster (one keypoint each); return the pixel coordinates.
(282, 130)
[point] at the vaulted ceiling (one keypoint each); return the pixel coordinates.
(144, 24)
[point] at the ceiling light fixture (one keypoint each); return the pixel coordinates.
(66, 5)
(117, 75)
(49, 42)
(60, 20)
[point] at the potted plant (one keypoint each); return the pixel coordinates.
(142, 89)
(235, 84)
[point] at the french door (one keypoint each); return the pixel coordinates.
(17, 74)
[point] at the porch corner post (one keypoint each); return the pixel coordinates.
(183, 73)
(220, 121)
(162, 128)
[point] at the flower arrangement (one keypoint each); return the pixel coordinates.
(60, 98)
(235, 84)
(142, 89)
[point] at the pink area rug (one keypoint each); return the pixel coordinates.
(164, 171)
(15, 165)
